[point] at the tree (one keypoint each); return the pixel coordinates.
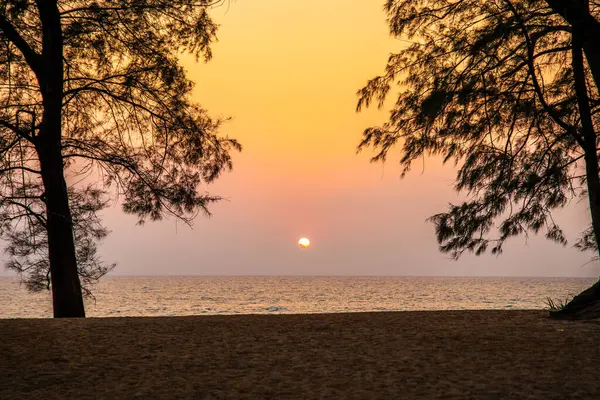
(95, 89)
(508, 90)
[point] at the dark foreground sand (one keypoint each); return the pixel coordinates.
(430, 355)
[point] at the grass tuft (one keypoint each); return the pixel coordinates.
(557, 305)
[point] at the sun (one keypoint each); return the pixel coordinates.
(304, 243)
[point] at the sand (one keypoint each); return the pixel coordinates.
(388, 355)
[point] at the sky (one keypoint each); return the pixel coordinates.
(287, 72)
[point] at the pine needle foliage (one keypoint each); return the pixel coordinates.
(110, 71)
(492, 87)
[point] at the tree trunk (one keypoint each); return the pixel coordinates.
(66, 287)
(587, 303)
(577, 14)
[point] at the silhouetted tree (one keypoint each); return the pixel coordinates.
(508, 91)
(94, 88)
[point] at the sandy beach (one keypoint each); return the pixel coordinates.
(446, 354)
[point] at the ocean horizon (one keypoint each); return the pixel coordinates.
(172, 295)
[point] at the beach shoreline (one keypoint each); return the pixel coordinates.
(409, 354)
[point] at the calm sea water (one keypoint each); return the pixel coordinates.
(194, 295)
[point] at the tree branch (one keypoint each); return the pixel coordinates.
(536, 85)
(32, 58)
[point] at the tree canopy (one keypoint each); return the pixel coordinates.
(98, 85)
(496, 87)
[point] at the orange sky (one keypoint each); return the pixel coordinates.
(287, 73)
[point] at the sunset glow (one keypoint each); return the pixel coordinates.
(287, 74)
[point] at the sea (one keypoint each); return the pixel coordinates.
(120, 296)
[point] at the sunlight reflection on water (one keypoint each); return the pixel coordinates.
(201, 295)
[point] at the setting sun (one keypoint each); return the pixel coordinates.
(304, 243)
